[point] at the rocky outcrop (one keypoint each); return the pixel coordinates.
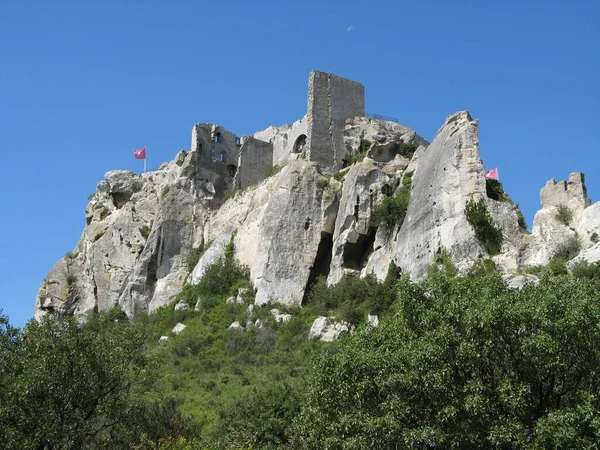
(328, 329)
(302, 222)
(449, 174)
(132, 251)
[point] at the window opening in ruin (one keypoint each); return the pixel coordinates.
(217, 138)
(238, 141)
(222, 157)
(300, 144)
(231, 170)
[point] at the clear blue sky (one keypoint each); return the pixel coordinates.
(83, 84)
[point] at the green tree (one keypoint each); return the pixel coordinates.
(465, 363)
(66, 386)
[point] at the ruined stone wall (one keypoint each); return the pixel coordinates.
(254, 161)
(572, 193)
(331, 100)
(216, 153)
(284, 140)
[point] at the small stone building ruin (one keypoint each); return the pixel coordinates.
(229, 161)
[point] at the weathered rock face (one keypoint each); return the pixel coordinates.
(567, 217)
(448, 175)
(139, 228)
(299, 223)
(278, 228)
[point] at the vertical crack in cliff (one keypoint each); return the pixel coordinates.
(321, 263)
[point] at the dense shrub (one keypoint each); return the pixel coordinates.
(464, 363)
(564, 214)
(488, 234)
(392, 210)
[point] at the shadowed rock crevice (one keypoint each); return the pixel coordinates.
(320, 267)
(357, 253)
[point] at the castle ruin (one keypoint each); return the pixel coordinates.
(230, 161)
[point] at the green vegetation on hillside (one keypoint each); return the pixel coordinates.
(455, 363)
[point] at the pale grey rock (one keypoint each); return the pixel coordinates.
(163, 338)
(516, 281)
(279, 317)
(549, 233)
(572, 193)
(373, 320)
(230, 300)
(181, 306)
(449, 173)
(178, 328)
(365, 185)
(243, 295)
(197, 307)
(258, 323)
(328, 329)
(236, 326)
(213, 254)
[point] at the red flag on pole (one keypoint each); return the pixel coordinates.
(492, 174)
(140, 153)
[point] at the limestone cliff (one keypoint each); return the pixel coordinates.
(305, 219)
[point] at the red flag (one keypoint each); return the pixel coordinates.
(140, 153)
(492, 174)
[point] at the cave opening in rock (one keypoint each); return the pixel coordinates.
(320, 267)
(300, 143)
(355, 254)
(120, 198)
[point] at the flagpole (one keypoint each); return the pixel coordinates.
(144, 165)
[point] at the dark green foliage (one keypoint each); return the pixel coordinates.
(221, 276)
(70, 279)
(365, 145)
(98, 235)
(495, 191)
(145, 231)
(323, 182)
(442, 263)
(71, 255)
(564, 214)
(68, 386)
(340, 175)
(488, 234)
(586, 270)
(363, 148)
(464, 363)
(353, 298)
(406, 149)
(594, 237)
(392, 210)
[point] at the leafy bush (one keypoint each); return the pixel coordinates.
(70, 279)
(363, 148)
(339, 176)
(71, 255)
(406, 149)
(392, 210)
(145, 231)
(564, 214)
(594, 237)
(495, 191)
(323, 182)
(585, 270)
(464, 363)
(488, 234)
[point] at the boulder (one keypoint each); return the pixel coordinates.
(328, 329)
(163, 338)
(236, 326)
(373, 321)
(178, 328)
(516, 281)
(182, 306)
